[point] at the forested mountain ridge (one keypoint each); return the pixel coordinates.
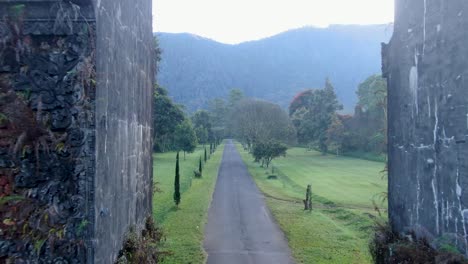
(196, 69)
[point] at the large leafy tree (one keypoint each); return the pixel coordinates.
(371, 114)
(258, 121)
(314, 115)
(366, 130)
(157, 53)
(372, 94)
(203, 127)
(301, 100)
(336, 134)
(235, 97)
(185, 138)
(218, 110)
(166, 117)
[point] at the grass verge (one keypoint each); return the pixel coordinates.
(184, 227)
(340, 226)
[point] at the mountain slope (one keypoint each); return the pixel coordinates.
(196, 69)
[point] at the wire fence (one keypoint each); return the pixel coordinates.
(297, 193)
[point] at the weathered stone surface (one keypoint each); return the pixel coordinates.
(76, 81)
(427, 68)
(123, 121)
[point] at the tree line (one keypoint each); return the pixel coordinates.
(314, 120)
(176, 130)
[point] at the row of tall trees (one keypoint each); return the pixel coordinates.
(198, 173)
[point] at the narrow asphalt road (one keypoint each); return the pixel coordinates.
(240, 228)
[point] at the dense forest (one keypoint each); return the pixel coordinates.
(196, 70)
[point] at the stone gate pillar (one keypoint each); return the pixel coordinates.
(76, 82)
(426, 65)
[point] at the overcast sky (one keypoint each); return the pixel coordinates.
(234, 21)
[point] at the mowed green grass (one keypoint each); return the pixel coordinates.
(184, 227)
(345, 181)
(340, 226)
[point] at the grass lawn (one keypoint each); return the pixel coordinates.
(339, 228)
(184, 227)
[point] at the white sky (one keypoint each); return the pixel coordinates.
(234, 21)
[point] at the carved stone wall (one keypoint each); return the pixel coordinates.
(75, 123)
(427, 71)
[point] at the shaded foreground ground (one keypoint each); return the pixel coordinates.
(339, 228)
(184, 227)
(240, 227)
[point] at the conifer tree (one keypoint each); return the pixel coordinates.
(200, 167)
(177, 182)
(206, 157)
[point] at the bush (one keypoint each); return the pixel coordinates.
(267, 151)
(388, 247)
(143, 248)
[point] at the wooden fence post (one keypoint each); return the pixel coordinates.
(308, 199)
